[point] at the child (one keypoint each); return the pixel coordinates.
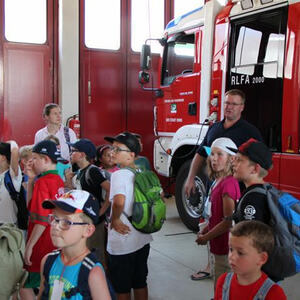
(250, 244)
(72, 222)
(128, 248)
(63, 165)
(90, 179)
(45, 156)
(223, 194)
(251, 165)
(104, 161)
(141, 161)
(9, 162)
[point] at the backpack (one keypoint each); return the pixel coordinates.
(12, 248)
(149, 209)
(285, 221)
(83, 287)
(20, 199)
(260, 295)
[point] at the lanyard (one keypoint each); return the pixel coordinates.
(69, 262)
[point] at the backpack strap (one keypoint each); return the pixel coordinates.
(226, 286)
(47, 267)
(87, 265)
(264, 289)
(10, 186)
(67, 137)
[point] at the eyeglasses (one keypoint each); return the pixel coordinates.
(118, 149)
(63, 224)
(232, 103)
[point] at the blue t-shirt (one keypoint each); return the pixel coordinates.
(60, 167)
(70, 277)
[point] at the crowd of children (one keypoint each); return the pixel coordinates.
(70, 201)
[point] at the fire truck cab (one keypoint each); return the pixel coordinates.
(251, 45)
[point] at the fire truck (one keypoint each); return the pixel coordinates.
(251, 45)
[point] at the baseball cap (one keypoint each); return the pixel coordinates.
(75, 201)
(128, 139)
(5, 150)
(47, 148)
(86, 146)
(223, 143)
(257, 152)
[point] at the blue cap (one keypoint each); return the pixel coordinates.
(86, 146)
(47, 148)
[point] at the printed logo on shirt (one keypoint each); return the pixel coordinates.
(249, 212)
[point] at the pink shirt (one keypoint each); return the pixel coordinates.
(229, 186)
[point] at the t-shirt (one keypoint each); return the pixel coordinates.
(46, 187)
(8, 208)
(122, 182)
(247, 292)
(64, 148)
(229, 186)
(239, 132)
(61, 167)
(70, 277)
(252, 206)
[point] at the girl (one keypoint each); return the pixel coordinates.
(223, 194)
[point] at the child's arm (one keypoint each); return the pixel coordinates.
(223, 226)
(36, 233)
(14, 157)
(106, 186)
(98, 285)
(42, 285)
(117, 209)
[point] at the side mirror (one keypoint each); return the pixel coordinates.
(145, 57)
(144, 77)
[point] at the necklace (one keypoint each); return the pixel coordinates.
(70, 261)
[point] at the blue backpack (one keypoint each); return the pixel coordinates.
(285, 221)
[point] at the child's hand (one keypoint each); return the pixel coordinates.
(204, 230)
(69, 174)
(119, 226)
(201, 239)
(27, 256)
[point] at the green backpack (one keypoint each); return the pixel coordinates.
(12, 248)
(149, 209)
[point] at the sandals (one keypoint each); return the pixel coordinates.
(205, 275)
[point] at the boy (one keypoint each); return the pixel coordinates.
(250, 166)
(128, 248)
(9, 162)
(250, 243)
(44, 156)
(90, 179)
(72, 222)
(141, 161)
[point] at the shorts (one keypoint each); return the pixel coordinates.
(33, 280)
(129, 271)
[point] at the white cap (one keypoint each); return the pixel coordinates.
(223, 144)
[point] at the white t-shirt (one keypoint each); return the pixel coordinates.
(8, 208)
(122, 182)
(64, 148)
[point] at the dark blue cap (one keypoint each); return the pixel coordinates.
(86, 146)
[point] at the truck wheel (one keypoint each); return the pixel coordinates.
(190, 209)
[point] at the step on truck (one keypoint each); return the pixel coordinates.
(251, 45)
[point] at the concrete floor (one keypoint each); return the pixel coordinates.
(174, 256)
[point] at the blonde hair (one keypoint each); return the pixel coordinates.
(262, 172)
(85, 218)
(25, 151)
(224, 173)
(52, 138)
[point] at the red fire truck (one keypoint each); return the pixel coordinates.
(252, 45)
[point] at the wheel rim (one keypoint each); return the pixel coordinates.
(194, 208)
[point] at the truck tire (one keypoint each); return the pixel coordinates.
(190, 209)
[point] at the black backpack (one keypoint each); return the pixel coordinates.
(83, 287)
(20, 199)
